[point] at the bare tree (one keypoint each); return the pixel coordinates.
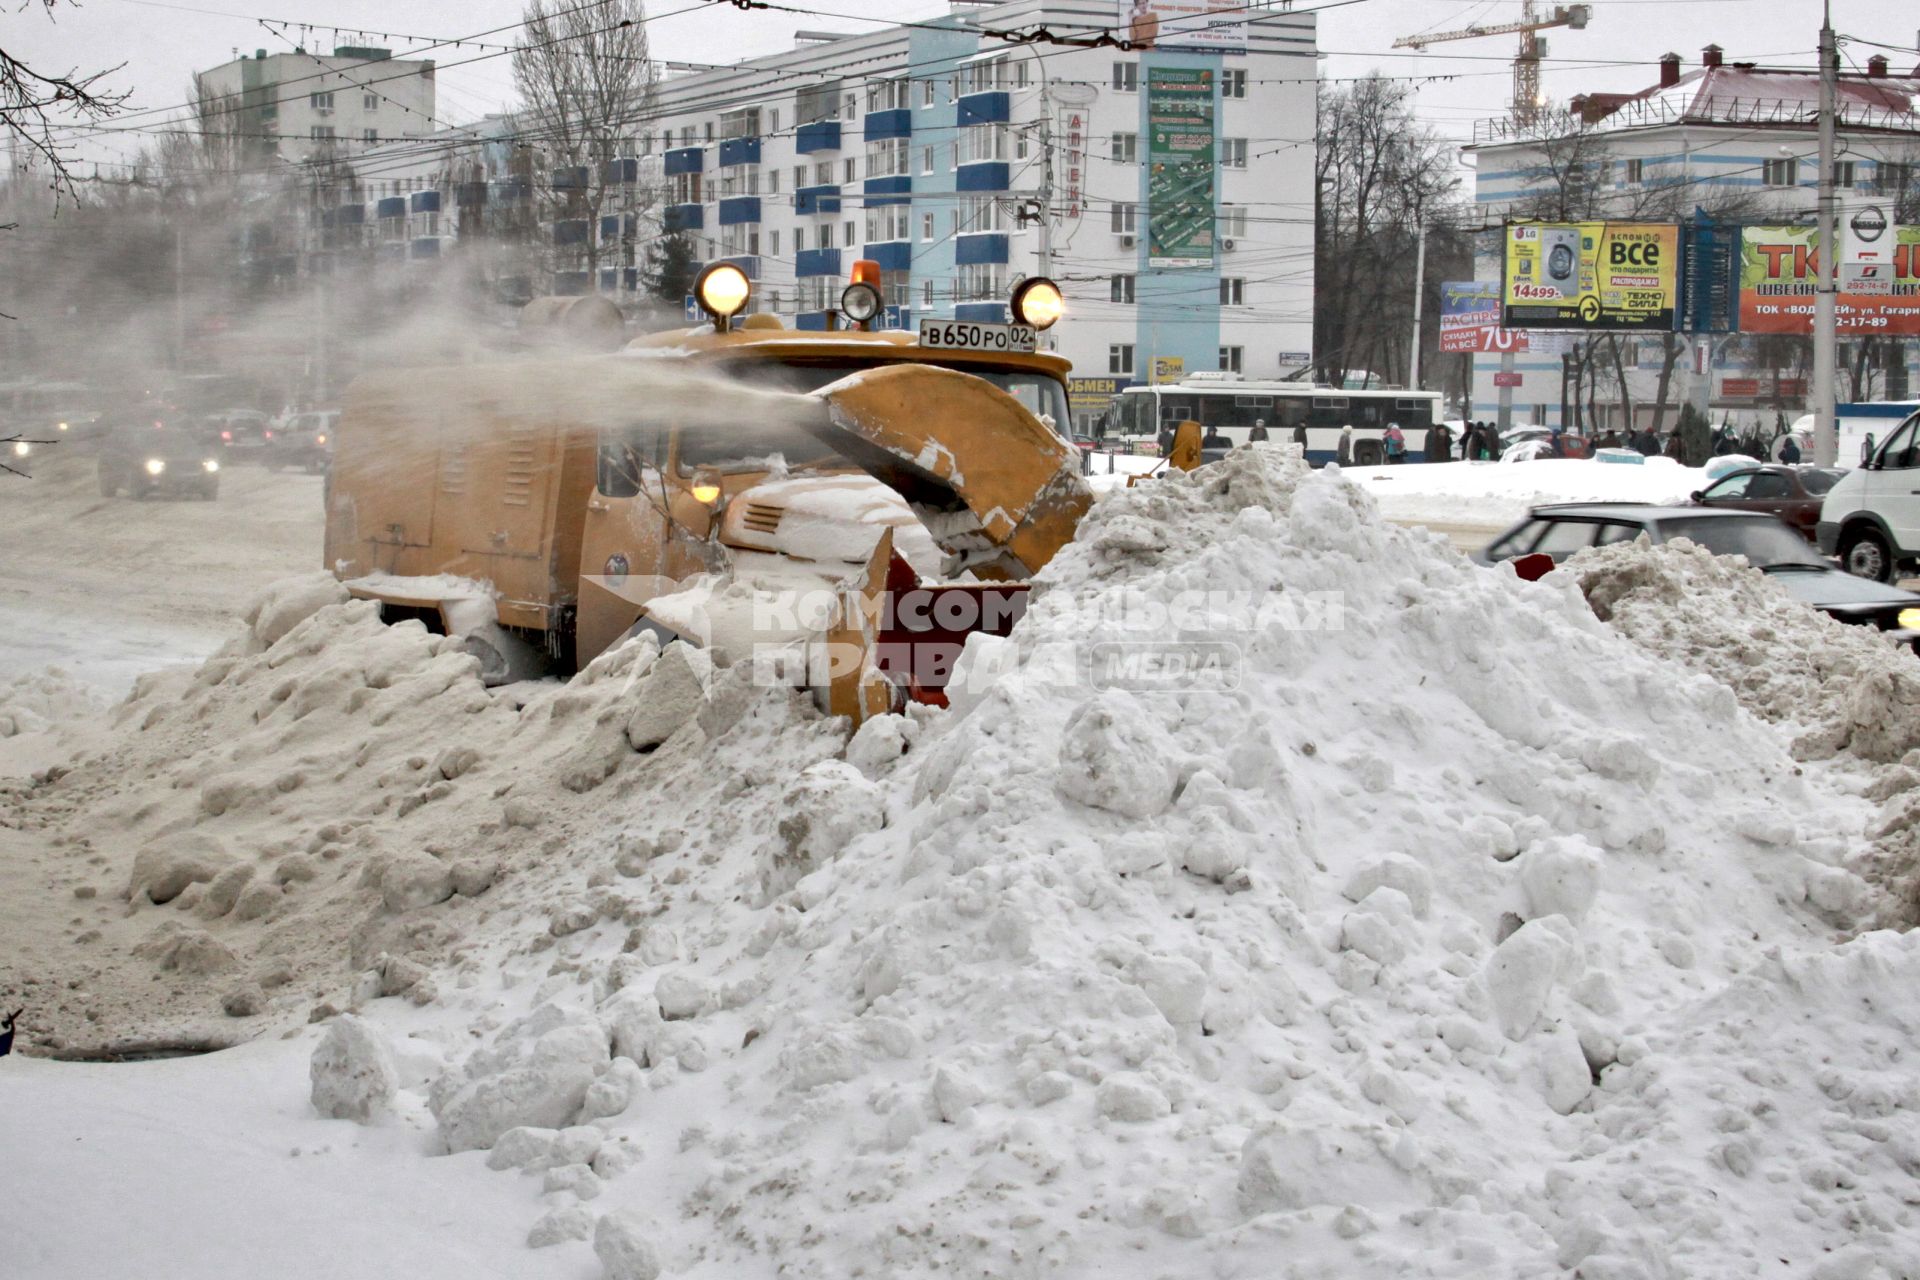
(32, 100)
(586, 82)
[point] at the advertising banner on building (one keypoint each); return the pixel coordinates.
(1180, 180)
(1168, 369)
(1470, 318)
(1779, 267)
(1072, 143)
(1091, 396)
(1591, 275)
(1219, 26)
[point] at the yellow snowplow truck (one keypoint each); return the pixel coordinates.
(845, 505)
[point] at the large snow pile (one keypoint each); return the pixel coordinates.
(1501, 492)
(1450, 934)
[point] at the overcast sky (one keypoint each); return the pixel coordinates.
(162, 42)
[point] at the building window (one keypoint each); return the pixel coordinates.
(926, 226)
(1233, 153)
(984, 213)
(1892, 178)
(683, 188)
(369, 101)
(1230, 359)
(646, 144)
(926, 294)
(849, 106)
(851, 231)
(851, 169)
(320, 101)
(709, 128)
(1126, 77)
(1233, 221)
(773, 246)
(1843, 174)
(926, 159)
(990, 142)
(799, 239)
(370, 136)
(773, 300)
(1636, 172)
(1126, 218)
(825, 235)
(926, 100)
(1125, 148)
(888, 222)
(888, 95)
(981, 282)
(1120, 358)
(1233, 83)
(888, 159)
(744, 123)
(1120, 288)
(320, 132)
(823, 173)
(1233, 291)
(773, 182)
(1782, 173)
(773, 120)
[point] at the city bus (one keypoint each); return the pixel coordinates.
(1231, 405)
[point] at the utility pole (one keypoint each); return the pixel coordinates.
(1419, 295)
(1826, 438)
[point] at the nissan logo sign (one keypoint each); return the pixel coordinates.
(1869, 224)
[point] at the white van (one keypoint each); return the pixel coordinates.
(1871, 519)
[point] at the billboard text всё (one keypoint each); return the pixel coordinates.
(1591, 275)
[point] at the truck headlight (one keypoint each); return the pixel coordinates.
(21, 448)
(209, 465)
(1908, 619)
(155, 466)
(1038, 302)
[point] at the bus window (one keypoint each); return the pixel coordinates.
(1288, 414)
(1171, 412)
(1413, 413)
(1328, 411)
(1367, 413)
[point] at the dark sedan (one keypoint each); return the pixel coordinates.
(1792, 493)
(148, 459)
(1551, 534)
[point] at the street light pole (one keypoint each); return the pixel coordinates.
(1419, 295)
(1826, 438)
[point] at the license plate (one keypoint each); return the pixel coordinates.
(965, 335)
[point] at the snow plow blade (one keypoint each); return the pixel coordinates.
(993, 485)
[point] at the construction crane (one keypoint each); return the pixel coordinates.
(1527, 100)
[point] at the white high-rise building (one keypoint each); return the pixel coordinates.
(289, 107)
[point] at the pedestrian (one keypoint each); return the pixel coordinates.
(1444, 434)
(1647, 443)
(1789, 451)
(1675, 449)
(1259, 432)
(6, 1032)
(1300, 436)
(1166, 439)
(1344, 454)
(1396, 443)
(1214, 440)
(1556, 441)
(1866, 450)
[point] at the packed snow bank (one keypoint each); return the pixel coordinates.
(1498, 493)
(1842, 690)
(1432, 928)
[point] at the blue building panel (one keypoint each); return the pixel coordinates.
(685, 217)
(738, 209)
(424, 202)
(993, 107)
(989, 246)
(570, 231)
(816, 262)
(816, 200)
(882, 125)
(610, 227)
(739, 151)
(988, 175)
(426, 247)
(899, 185)
(814, 320)
(350, 215)
(892, 255)
(748, 263)
(821, 135)
(981, 312)
(623, 171)
(683, 160)
(391, 207)
(571, 178)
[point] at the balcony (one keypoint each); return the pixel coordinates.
(980, 247)
(424, 202)
(898, 185)
(816, 262)
(892, 255)
(821, 135)
(623, 172)
(816, 200)
(738, 209)
(571, 178)
(889, 124)
(748, 264)
(988, 175)
(570, 231)
(684, 217)
(391, 207)
(683, 160)
(739, 151)
(984, 108)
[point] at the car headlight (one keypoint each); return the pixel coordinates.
(319, 439)
(1908, 619)
(21, 448)
(209, 465)
(63, 426)
(1038, 302)
(155, 466)
(709, 493)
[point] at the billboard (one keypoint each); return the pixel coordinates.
(1180, 158)
(1779, 267)
(1218, 26)
(1591, 275)
(1470, 318)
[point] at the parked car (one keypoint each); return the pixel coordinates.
(150, 458)
(1550, 534)
(302, 440)
(1871, 519)
(239, 429)
(1528, 443)
(1792, 493)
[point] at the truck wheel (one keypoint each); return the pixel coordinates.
(1865, 554)
(1366, 453)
